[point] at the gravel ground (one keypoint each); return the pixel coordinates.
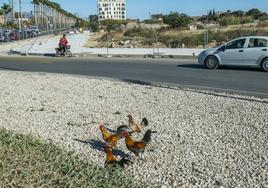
(202, 141)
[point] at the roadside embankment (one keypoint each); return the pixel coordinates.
(202, 140)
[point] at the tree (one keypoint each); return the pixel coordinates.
(50, 12)
(254, 13)
(94, 25)
(5, 9)
(176, 20)
(238, 13)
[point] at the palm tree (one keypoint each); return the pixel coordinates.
(46, 10)
(5, 9)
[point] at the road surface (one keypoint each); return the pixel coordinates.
(181, 72)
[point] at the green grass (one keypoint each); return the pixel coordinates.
(27, 162)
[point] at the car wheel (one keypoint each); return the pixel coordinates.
(212, 62)
(264, 64)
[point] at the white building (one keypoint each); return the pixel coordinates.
(112, 9)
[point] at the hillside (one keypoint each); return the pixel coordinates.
(140, 36)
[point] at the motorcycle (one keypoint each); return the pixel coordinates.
(60, 51)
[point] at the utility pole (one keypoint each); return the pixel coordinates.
(206, 32)
(21, 22)
(19, 15)
(12, 12)
(10, 3)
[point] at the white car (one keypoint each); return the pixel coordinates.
(71, 32)
(244, 51)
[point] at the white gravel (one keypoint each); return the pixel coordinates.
(202, 140)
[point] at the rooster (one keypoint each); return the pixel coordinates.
(136, 127)
(111, 159)
(110, 138)
(138, 147)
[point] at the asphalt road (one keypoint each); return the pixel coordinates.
(182, 72)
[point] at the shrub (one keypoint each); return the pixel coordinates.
(230, 20)
(138, 32)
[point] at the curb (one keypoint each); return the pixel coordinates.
(137, 56)
(83, 55)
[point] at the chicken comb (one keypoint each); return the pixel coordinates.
(107, 146)
(125, 133)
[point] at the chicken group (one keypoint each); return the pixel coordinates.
(125, 132)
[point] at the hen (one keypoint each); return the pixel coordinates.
(136, 127)
(111, 159)
(138, 147)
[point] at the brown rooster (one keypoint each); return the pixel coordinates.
(136, 127)
(138, 147)
(111, 159)
(110, 138)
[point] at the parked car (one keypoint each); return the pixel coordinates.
(73, 31)
(15, 35)
(2, 37)
(244, 51)
(6, 34)
(35, 31)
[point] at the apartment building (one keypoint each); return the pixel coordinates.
(112, 9)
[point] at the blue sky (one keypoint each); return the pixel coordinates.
(141, 8)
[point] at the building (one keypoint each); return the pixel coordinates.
(112, 9)
(157, 16)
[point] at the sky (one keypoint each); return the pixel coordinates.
(141, 9)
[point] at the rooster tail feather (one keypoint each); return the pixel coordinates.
(147, 136)
(121, 129)
(145, 122)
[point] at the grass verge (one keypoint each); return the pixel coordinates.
(27, 162)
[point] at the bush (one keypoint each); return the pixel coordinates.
(153, 21)
(176, 20)
(230, 20)
(175, 44)
(247, 19)
(264, 17)
(94, 25)
(138, 32)
(111, 24)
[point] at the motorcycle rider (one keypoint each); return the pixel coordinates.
(63, 43)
